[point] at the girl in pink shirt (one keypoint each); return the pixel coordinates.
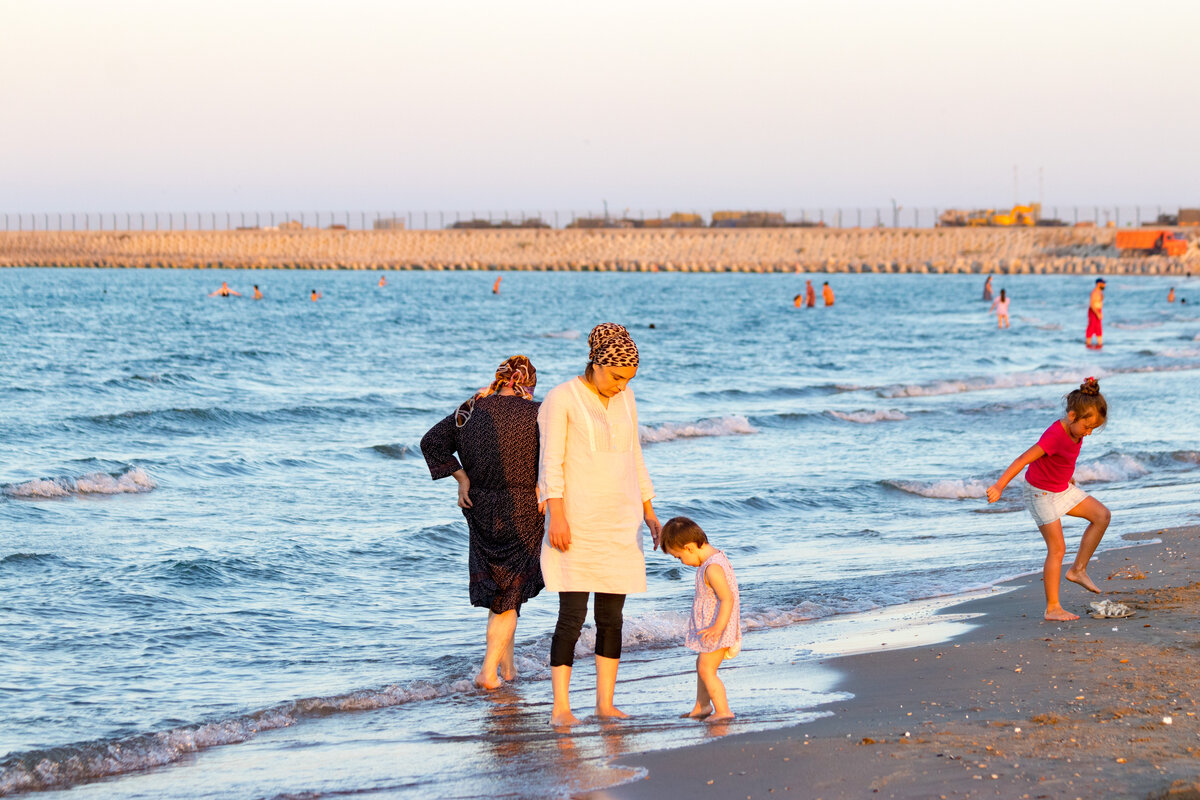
(1050, 492)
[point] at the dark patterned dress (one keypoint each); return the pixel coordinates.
(498, 447)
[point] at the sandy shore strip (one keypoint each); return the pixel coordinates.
(1016, 707)
(835, 250)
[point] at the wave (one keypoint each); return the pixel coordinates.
(1136, 326)
(75, 764)
(731, 425)
(1018, 379)
(132, 480)
(395, 450)
(1110, 468)
(196, 420)
(947, 489)
(33, 559)
(867, 417)
(137, 381)
(568, 334)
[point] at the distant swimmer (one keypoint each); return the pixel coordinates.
(225, 291)
(315, 296)
(1095, 323)
(1171, 295)
(810, 294)
(827, 293)
(257, 293)
(382, 281)
(1000, 306)
(496, 285)
(987, 288)
(798, 300)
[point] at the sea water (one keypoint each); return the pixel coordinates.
(224, 570)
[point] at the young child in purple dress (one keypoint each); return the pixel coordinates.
(715, 627)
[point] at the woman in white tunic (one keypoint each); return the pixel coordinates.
(597, 493)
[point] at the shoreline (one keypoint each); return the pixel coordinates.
(762, 250)
(1011, 707)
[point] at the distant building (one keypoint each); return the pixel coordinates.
(389, 224)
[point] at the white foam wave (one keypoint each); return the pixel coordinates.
(732, 425)
(865, 417)
(943, 489)
(1137, 326)
(1172, 352)
(984, 383)
(568, 334)
(133, 480)
(62, 767)
(1113, 467)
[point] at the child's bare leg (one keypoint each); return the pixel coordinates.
(606, 687)
(1056, 548)
(1098, 516)
(560, 714)
(703, 705)
(706, 668)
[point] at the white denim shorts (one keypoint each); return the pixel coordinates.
(1046, 507)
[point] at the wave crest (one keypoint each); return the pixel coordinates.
(865, 417)
(731, 425)
(132, 480)
(943, 489)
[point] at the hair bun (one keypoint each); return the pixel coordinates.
(1090, 386)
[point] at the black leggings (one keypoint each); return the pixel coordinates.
(572, 611)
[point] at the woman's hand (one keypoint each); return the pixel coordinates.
(652, 523)
(993, 492)
(559, 531)
(464, 488)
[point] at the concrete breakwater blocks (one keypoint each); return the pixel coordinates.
(774, 250)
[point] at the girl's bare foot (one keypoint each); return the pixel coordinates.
(486, 680)
(697, 712)
(720, 717)
(563, 718)
(508, 671)
(1081, 577)
(610, 712)
(1060, 614)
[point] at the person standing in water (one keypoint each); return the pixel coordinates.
(1095, 322)
(1000, 306)
(224, 291)
(257, 294)
(810, 294)
(597, 494)
(987, 288)
(315, 296)
(1171, 295)
(382, 281)
(496, 285)
(827, 293)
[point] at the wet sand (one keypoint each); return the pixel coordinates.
(1017, 707)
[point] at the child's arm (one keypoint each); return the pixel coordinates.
(1024, 460)
(714, 576)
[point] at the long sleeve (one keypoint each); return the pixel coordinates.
(438, 445)
(552, 436)
(644, 484)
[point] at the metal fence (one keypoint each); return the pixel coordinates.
(897, 216)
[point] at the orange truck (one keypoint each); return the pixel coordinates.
(1151, 242)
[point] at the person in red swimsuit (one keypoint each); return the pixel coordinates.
(1095, 323)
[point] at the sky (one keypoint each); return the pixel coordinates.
(130, 105)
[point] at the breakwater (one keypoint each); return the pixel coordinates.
(934, 250)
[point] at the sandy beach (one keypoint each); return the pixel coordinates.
(857, 250)
(1015, 708)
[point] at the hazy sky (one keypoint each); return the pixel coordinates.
(524, 104)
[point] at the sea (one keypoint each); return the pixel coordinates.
(225, 571)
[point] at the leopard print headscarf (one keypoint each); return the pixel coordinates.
(516, 372)
(610, 345)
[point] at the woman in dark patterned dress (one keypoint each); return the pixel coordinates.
(495, 435)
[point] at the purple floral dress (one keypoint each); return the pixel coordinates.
(706, 605)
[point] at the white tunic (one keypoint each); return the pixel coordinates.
(591, 457)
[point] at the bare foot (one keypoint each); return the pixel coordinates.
(720, 717)
(697, 712)
(563, 718)
(508, 671)
(486, 680)
(1060, 614)
(1081, 577)
(611, 712)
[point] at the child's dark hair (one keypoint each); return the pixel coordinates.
(1087, 398)
(680, 531)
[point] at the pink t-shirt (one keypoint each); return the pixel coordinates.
(1052, 472)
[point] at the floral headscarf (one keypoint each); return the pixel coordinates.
(515, 372)
(610, 345)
